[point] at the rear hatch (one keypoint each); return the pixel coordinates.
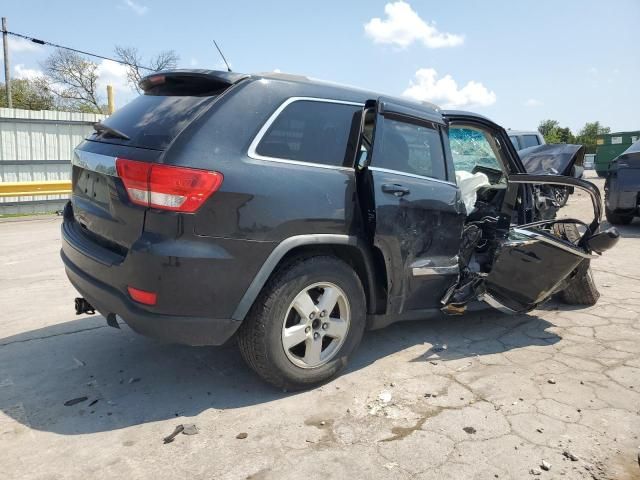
(107, 211)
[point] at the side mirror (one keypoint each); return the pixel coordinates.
(600, 242)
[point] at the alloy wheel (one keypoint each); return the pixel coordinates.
(316, 325)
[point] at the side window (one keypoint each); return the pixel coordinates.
(473, 151)
(530, 141)
(309, 131)
(514, 141)
(410, 148)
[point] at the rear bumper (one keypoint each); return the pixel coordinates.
(171, 328)
(199, 281)
(623, 191)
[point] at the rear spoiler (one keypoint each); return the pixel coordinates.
(213, 79)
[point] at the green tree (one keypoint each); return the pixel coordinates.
(554, 133)
(565, 135)
(548, 129)
(589, 133)
(29, 94)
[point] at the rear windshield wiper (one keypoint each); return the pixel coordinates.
(112, 132)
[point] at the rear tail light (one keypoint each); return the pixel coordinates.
(167, 187)
(142, 296)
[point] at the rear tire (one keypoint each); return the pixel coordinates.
(276, 314)
(616, 218)
(581, 289)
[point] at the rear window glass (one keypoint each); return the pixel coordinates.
(410, 148)
(153, 121)
(530, 141)
(310, 131)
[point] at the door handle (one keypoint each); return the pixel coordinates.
(396, 189)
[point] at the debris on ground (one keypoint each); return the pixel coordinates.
(174, 434)
(186, 429)
(385, 397)
(75, 401)
(242, 435)
(570, 456)
(469, 430)
(134, 380)
(94, 402)
(551, 381)
(539, 429)
(546, 466)
(439, 348)
(190, 429)
(535, 471)
(79, 363)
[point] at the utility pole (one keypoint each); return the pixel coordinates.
(111, 103)
(7, 70)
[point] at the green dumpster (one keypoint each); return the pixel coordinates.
(609, 146)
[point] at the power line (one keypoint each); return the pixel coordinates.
(51, 44)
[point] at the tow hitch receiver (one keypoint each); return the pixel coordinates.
(82, 306)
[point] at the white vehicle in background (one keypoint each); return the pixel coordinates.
(524, 139)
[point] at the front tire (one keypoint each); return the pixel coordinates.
(306, 323)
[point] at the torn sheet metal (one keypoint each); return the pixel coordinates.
(556, 159)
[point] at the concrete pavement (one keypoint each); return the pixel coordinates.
(474, 397)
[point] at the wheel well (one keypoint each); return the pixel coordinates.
(367, 266)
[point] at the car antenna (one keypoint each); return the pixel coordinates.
(222, 55)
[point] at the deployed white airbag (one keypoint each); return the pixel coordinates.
(469, 184)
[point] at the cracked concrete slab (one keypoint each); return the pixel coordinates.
(506, 394)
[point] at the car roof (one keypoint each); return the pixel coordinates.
(358, 94)
(320, 87)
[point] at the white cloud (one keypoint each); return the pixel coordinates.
(22, 72)
(114, 74)
(532, 102)
(445, 92)
(20, 45)
(136, 7)
(403, 26)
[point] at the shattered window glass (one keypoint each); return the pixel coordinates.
(471, 150)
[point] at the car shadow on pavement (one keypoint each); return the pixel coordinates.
(111, 379)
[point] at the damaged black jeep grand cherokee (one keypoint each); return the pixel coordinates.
(294, 214)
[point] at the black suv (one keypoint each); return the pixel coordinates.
(295, 214)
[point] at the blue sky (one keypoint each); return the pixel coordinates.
(517, 62)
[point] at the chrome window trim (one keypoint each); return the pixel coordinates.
(251, 153)
(95, 162)
(544, 238)
(412, 175)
